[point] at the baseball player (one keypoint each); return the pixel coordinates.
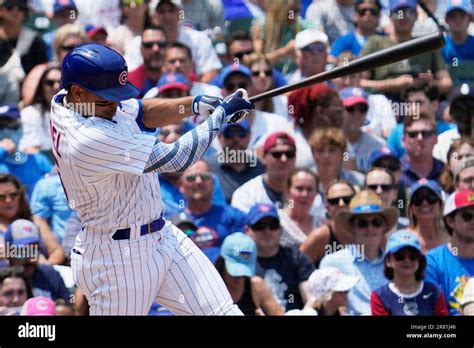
(127, 255)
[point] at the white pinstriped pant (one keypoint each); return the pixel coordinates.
(124, 277)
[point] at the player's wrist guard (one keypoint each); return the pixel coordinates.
(236, 106)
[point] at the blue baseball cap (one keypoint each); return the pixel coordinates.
(22, 232)
(395, 5)
(260, 211)
(383, 152)
(402, 239)
(60, 5)
(240, 255)
(172, 80)
(233, 69)
(429, 184)
(463, 5)
(9, 111)
(245, 125)
(353, 95)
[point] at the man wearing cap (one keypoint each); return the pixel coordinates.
(355, 101)
(369, 221)
(366, 18)
(464, 174)
(451, 265)
(425, 69)
(23, 235)
(311, 48)
(97, 34)
(284, 269)
(279, 152)
(235, 164)
(467, 300)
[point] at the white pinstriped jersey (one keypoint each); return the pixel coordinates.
(101, 166)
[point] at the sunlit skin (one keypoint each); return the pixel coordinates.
(419, 147)
(198, 194)
(86, 101)
(278, 169)
(176, 60)
(379, 177)
(371, 237)
(466, 179)
(9, 207)
(404, 271)
(464, 151)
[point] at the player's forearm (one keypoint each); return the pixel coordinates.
(159, 112)
(183, 153)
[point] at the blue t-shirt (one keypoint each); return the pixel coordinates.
(461, 52)
(450, 273)
(47, 282)
(214, 225)
(49, 201)
(349, 42)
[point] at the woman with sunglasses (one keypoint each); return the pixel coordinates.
(458, 150)
(14, 206)
(43, 85)
(297, 217)
(425, 210)
(68, 37)
(330, 236)
(406, 293)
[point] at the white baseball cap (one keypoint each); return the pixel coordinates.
(327, 280)
(309, 36)
(468, 293)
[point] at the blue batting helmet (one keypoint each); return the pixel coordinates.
(100, 70)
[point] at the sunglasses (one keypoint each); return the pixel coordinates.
(424, 134)
(430, 198)
(234, 86)
(362, 108)
(466, 216)
(279, 154)
(335, 200)
(373, 11)
(69, 47)
(150, 44)
(315, 47)
(231, 134)
(391, 167)
(273, 224)
(402, 256)
(165, 132)
(241, 55)
(267, 73)
(468, 181)
(11, 195)
(51, 83)
(364, 223)
(202, 176)
(10, 7)
(384, 187)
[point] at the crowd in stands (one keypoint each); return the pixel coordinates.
(354, 196)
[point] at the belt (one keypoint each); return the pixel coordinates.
(150, 227)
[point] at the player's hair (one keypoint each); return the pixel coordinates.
(328, 137)
(237, 36)
(24, 211)
(16, 272)
(65, 32)
(409, 120)
(179, 45)
(419, 274)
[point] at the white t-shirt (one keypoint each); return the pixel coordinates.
(380, 118)
(36, 130)
(445, 139)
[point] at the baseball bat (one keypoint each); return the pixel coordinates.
(371, 61)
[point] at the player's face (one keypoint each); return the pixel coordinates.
(90, 104)
(176, 60)
(13, 292)
(9, 201)
(197, 183)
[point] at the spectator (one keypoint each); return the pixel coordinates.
(35, 116)
(459, 45)
(297, 217)
(219, 221)
(104, 13)
(419, 138)
(457, 151)
(236, 266)
(467, 300)
(334, 17)
(39, 305)
(285, 270)
(185, 222)
(328, 146)
(464, 174)
(14, 206)
(330, 237)
(369, 221)
(366, 19)
(450, 265)
(97, 35)
(15, 289)
(235, 164)
(64, 308)
(28, 44)
(68, 37)
(311, 49)
(133, 22)
(146, 76)
(279, 152)
(28, 168)
(406, 293)
(204, 15)
(355, 101)
(11, 73)
(328, 289)
(45, 280)
(425, 69)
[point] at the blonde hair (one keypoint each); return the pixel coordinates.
(65, 32)
(275, 20)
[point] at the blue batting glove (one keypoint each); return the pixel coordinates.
(205, 105)
(237, 106)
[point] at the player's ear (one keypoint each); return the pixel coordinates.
(77, 92)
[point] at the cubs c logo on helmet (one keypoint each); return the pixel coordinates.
(123, 78)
